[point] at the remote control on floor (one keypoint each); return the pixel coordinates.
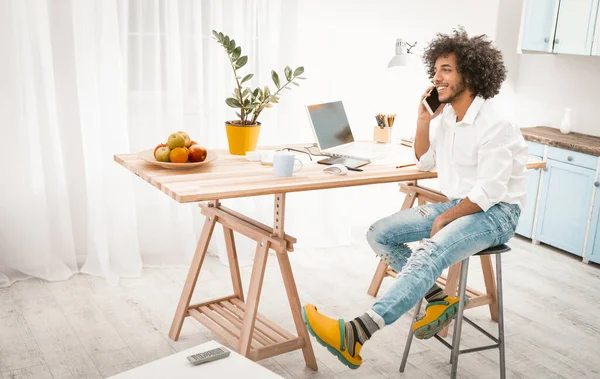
(208, 356)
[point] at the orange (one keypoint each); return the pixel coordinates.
(179, 155)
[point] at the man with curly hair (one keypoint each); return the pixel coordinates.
(480, 159)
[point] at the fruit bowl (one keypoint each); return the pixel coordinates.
(148, 156)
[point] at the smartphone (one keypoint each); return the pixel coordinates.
(432, 102)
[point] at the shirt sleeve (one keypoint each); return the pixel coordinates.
(427, 160)
(495, 163)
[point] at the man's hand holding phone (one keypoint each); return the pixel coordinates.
(421, 143)
(429, 101)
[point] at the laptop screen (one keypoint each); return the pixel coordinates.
(330, 124)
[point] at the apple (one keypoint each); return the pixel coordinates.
(186, 138)
(157, 147)
(162, 154)
(175, 140)
(197, 153)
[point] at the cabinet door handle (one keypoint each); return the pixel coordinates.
(569, 158)
(546, 39)
(596, 184)
(545, 168)
(556, 41)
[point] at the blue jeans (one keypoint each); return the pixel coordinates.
(418, 268)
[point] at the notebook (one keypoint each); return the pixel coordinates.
(334, 135)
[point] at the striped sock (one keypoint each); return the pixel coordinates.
(359, 331)
(435, 293)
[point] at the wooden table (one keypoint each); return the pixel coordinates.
(234, 317)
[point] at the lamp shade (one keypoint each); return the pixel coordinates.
(400, 60)
(403, 57)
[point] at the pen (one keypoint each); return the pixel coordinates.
(406, 165)
(353, 169)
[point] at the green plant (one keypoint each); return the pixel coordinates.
(252, 102)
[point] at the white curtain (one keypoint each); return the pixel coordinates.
(84, 80)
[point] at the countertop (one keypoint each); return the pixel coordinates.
(578, 142)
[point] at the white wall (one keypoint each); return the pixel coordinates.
(549, 83)
(346, 46)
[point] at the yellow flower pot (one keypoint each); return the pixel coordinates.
(242, 138)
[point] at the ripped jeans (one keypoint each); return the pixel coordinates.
(418, 268)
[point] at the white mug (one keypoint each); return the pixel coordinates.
(283, 163)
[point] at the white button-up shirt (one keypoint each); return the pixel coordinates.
(482, 157)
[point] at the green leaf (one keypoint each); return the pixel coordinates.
(214, 32)
(275, 78)
(238, 114)
(232, 44)
(267, 91)
(236, 53)
(268, 105)
(246, 78)
(288, 73)
(273, 99)
(242, 61)
(226, 41)
(246, 92)
(288, 88)
(256, 92)
(233, 103)
(296, 84)
(300, 77)
(236, 93)
(298, 71)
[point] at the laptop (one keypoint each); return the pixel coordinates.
(334, 136)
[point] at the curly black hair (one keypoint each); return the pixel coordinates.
(480, 64)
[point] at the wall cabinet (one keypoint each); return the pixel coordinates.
(596, 42)
(560, 26)
(539, 21)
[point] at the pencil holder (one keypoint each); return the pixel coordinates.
(382, 135)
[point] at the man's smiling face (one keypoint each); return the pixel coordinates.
(448, 81)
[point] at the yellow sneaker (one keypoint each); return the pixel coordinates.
(438, 315)
(331, 334)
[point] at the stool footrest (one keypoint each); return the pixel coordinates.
(474, 349)
(484, 332)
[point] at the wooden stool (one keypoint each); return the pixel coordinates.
(455, 347)
(448, 283)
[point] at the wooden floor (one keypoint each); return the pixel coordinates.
(84, 328)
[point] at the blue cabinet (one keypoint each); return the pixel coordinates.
(565, 203)
(559, 26)
(537, 33)
(575, 26)
(592, 252)
(525, 226)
